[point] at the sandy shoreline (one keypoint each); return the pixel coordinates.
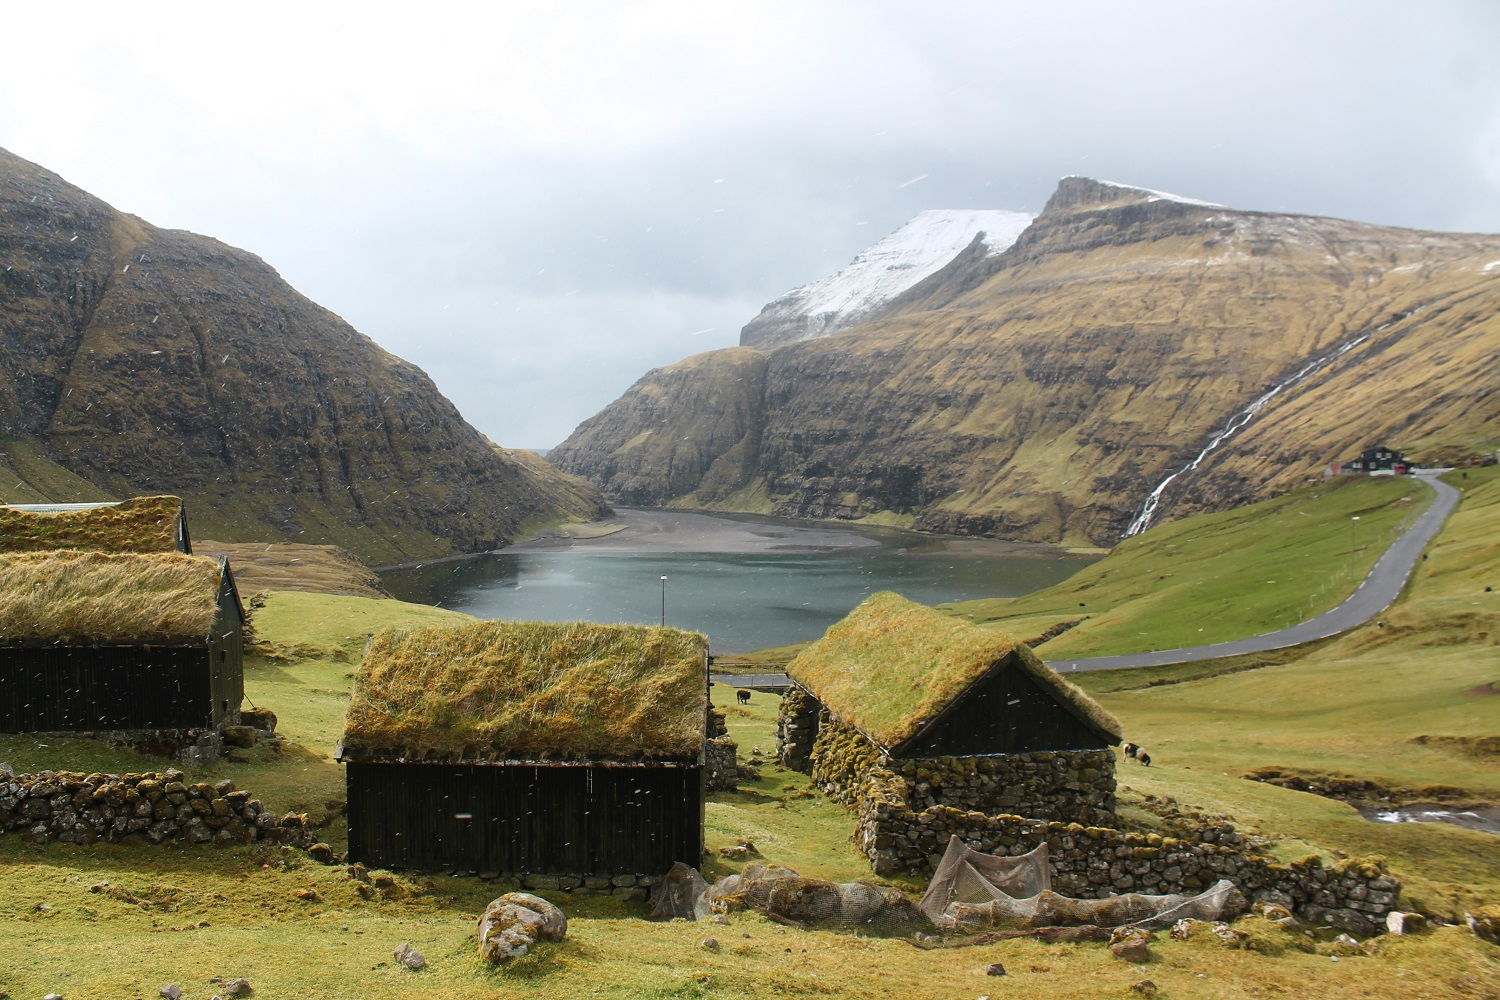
(635, 530)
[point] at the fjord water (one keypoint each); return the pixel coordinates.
(746, 582)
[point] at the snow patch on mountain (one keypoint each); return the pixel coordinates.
(879, 274)
(1160, 195)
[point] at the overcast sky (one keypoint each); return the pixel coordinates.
(537, 203)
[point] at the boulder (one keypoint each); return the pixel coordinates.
(512, 924)
(410, 957)
(1129, 944)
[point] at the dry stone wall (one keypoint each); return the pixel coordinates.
(1093, 862)
(1064, 785)
(797, 729)
(720, 763)
(151, 808)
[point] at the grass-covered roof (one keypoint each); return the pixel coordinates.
(892, 665)
(84, 597)
(530, 691)
(141, 524)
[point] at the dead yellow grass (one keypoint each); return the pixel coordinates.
(892, 664)
(321, 569)
(141, 524)
(96, 596)
(530, 690)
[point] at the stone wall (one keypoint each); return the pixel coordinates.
(797, 729)
(1065, 785)
(1095, 862)
(1009, 804)
(719, 761)
(149, 808)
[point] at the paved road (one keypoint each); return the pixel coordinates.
(1376, 593)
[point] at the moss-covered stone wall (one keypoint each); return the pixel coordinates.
(146, 808)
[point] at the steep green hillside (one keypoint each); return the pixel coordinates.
(1241, 572)
(1043, 393)
(1408, 705)
(141, 360)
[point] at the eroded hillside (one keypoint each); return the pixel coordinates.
(142, 360)
(1044, 392)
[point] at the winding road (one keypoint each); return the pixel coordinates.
(1375, 593)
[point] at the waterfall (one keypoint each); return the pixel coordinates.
(1153, 500)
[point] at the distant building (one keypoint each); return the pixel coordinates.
(1377, 459)
(570, 752)
(140, 525)
(97, 641)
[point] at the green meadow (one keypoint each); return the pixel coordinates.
(120, 921)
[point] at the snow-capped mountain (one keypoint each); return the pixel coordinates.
(879, 274)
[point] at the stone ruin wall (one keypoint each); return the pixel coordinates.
(151, 808)
(908, 810)
(723, 770)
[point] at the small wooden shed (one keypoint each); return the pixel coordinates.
(140, 524)
(110, 641)
(919, 684)
(528, 748)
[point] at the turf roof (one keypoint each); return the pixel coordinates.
(892, 665)
(141, 524)
(530, 691)
(84, 597)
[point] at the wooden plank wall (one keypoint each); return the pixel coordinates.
(67, 689)
(583, 820)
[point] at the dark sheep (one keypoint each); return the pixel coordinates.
(1144, 758)
(1131, 750)
(743, 696)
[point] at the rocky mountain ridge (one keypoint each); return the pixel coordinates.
(141, 360)
(882, 273)
(1044, 392)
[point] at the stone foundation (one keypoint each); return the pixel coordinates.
(1070, 786)
(626, 887)
(145, 808)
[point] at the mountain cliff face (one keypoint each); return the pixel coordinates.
(1043, 393)
(883, 272)
(140, 360)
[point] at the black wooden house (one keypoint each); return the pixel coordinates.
(898, 695)
(1378, 459)
(529, 749)
(93, 641)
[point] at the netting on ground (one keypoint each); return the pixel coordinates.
(970, 893)
(964, 875)
(1222, 901)
(787, 897)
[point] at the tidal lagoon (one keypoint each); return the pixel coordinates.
(747, 582)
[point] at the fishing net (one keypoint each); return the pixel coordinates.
(680, 893)
(964, 875)
(1222, 901)
(971, 891)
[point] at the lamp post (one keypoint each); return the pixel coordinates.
(663, 602)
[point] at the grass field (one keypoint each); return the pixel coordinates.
(1242, 572)
(113, 921)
